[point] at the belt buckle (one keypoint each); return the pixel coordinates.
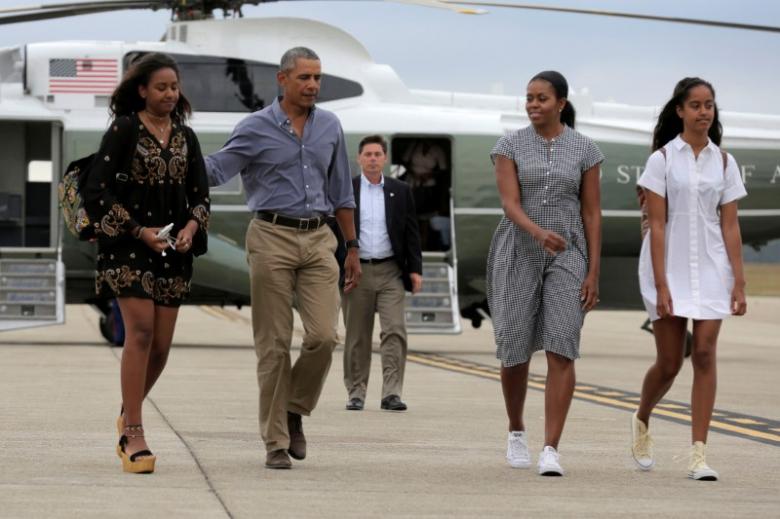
(301, 226)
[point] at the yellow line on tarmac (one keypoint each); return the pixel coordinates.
(452, 366)
(212, 312)
(222, 313)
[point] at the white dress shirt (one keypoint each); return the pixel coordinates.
(698, 271)
(374, 240)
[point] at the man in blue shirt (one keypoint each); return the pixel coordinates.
(293, 163)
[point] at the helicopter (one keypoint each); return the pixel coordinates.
(53, 109)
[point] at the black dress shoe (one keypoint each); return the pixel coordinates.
(297, 447)
(393, 403)
(355, 404)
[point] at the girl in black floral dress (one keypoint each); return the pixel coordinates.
(148, 173)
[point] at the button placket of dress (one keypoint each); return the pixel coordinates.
(694, 170)
(550, 148)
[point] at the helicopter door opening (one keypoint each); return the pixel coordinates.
(32, 276)
(425, 163)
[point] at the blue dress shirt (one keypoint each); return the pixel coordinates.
(282, 173)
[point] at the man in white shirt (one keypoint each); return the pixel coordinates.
(391, 261)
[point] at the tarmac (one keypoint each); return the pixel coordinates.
(444, 457)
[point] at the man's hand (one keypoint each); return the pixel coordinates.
(417, 281)
(352, 271)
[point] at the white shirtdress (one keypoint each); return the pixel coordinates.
(698, 271)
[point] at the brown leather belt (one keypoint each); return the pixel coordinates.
(301, 224)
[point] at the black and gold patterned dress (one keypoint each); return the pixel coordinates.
(135, 181)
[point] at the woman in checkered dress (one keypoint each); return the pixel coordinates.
(543, 265)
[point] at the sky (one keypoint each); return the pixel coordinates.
(627, 61)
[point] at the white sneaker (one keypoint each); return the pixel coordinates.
(698, 468)
(641, 444)
(548, 462)
(517, 450)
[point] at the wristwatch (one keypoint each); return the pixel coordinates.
(352, 244)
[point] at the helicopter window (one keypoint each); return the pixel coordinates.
(216, 84)
(39, 171)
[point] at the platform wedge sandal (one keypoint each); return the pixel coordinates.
(141, 462)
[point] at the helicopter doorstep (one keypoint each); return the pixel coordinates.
(54, 108)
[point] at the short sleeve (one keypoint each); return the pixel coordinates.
(733, 188)
(503, 147)
(654, 175)
(591, 157)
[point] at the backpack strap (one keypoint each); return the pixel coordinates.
(662, 149)
(122, 177)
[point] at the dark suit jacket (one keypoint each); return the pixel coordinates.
(402, 227)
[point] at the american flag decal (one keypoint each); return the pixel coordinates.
(83, 76)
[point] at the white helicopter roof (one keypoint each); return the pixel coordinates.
(339, 51)
(385, 105)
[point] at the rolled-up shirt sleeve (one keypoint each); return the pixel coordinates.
(339, 177)
(237, 153)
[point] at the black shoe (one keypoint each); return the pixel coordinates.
(355, 404)
(393, 403)
(297, 447)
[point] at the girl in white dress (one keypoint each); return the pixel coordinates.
(690, 265)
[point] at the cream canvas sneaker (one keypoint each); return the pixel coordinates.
(549, 462)
(517, 450)
(698, 468)
(641, 444)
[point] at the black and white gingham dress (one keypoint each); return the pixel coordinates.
(534, 297)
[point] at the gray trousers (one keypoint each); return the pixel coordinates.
(380, 290)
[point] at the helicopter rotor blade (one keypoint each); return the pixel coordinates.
(51, 11)
(617, 14)
(441, 5)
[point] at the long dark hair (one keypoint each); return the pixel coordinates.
(561, 87)
(126, 100)
(670, 125)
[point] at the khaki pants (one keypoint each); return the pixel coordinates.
(283, 263)
(380, 290)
